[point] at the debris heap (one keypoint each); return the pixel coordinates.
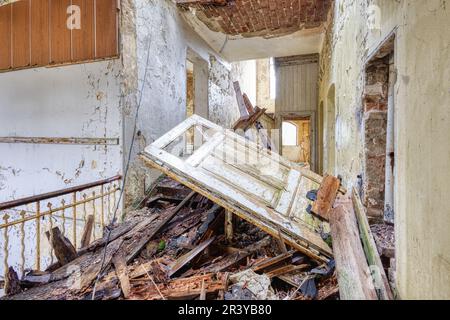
(175, 248)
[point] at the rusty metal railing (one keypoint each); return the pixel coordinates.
(23, 222)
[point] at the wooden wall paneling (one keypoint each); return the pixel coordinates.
(5, 37)
(83, 44)
(21, 34)
(40, 29)
(60, 35)
(106, 28)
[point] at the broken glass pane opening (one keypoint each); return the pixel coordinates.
(190, 141)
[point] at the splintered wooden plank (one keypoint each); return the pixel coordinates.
(40, 40)
(185, 259)
(270, 262)
(21, 34)
(63, 248)
(106, 28)
(326, 196)
(370, 248)
(240, 100)
(87, 232)
(248, 104)
(353, 272)
(5, 37)
(60, 34)
(181, 289)
(83, 39)
(120, 267)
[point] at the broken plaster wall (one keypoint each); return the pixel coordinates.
(223, 108)
(422, 125)
(163, 38)
(69, 101)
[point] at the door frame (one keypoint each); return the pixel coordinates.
(286, 116)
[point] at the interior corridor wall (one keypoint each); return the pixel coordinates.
(422, 125)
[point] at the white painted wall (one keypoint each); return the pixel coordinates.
(70, 101)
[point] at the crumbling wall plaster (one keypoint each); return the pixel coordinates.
(264, 99)
(70, 101)
(163, 38)
(422, 125)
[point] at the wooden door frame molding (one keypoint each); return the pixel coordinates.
(286, 116)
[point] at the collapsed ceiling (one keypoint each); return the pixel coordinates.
(253, 29)
(264, 18)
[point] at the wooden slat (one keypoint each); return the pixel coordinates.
(120, 267)
(106, 28)
(83, 40)
(354, 276)
(21, 34)
(370, 249)
(326, 196)
(5, 37)
(59, 33)
(40, 40)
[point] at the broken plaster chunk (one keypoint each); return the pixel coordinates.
(258, 285)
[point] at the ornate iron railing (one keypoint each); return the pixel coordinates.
(24, 222)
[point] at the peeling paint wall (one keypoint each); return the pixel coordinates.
(70, 101)
(264, 100)
(223, 108)
(422, 125)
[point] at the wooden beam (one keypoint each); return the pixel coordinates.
(87, 232)
(272, 261)
(63, 248)
(201, 2)
(148, 234)
(326, 196)
(12, 283)
(354, 276)
(61, 140)
(185, 259)
(370, 249)
(248, 104)
(120, 267)
(240, 100)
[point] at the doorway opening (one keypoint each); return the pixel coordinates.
(296, 139)
(379, 144)
(378, 126)
(190, 89)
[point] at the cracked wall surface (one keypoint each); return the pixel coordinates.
(163, 39)
(422, 125)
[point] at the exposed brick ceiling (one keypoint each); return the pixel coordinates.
(267, 18)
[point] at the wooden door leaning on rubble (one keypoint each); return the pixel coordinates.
(244, 178)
